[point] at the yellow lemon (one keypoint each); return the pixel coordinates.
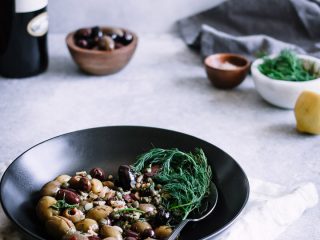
(307, 112)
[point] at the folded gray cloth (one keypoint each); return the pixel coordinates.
(250, 27)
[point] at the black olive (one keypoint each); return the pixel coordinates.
(126, 177)
(83, 33)
(127, 38)
(148, 233)
(96, 32)
(162, 217)
(130, 233)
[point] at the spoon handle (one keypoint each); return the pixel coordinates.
(178, 229)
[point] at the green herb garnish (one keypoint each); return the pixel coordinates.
(287, 66)
(185, 177)
(62, 204)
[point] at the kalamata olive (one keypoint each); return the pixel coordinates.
(73, 214)
(96, 186)
(94, 238)
(98, 173)
(126, 177)
(84, 184)
(99, 212)
(63, 178)
(106, 43)
(96, 32)
(87, 224)
(148, 233)
(130, 233)
(80, 183)
(44, 209)
(163, 232)
(147, 207)
(69, 196)
(83, 33)
(110, 231)
(83, 43)
(58, 226)
(74, 182)
(140, 226)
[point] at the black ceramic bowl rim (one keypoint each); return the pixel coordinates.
(27, 232)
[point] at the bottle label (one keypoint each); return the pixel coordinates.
(23, 6)
(38, 26)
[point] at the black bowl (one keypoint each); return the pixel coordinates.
(109, 147)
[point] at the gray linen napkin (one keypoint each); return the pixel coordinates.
(250, 27)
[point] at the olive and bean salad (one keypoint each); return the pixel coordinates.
(138, 204)
(106, 39)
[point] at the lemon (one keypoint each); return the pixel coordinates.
(307, 112)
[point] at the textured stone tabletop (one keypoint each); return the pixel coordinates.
(163, 86)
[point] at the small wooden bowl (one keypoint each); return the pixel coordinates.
(226, 70)
(97, 62)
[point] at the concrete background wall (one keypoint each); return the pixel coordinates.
(143, 16)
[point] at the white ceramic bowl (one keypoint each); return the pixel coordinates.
(284, 94)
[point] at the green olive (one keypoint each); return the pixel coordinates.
(50, 189)
(96, 186)
(87, 224)
(74, 215)
(99, 212)
(44, 209)
(147, 207)
(163, 232)
(140, 226)
(116, 31)
(63, 178)
(58, 226)
(106, 43)
(110, 231)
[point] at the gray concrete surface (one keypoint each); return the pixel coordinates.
(163, 86)
(143, 16)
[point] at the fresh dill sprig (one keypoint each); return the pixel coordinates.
(287, 66)
(62, 204)
(185, 177)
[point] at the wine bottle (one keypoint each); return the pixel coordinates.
(23, 37)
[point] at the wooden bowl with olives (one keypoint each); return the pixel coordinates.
(101, 50)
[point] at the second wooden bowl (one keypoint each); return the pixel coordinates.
(226, 70)
(98, 62)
